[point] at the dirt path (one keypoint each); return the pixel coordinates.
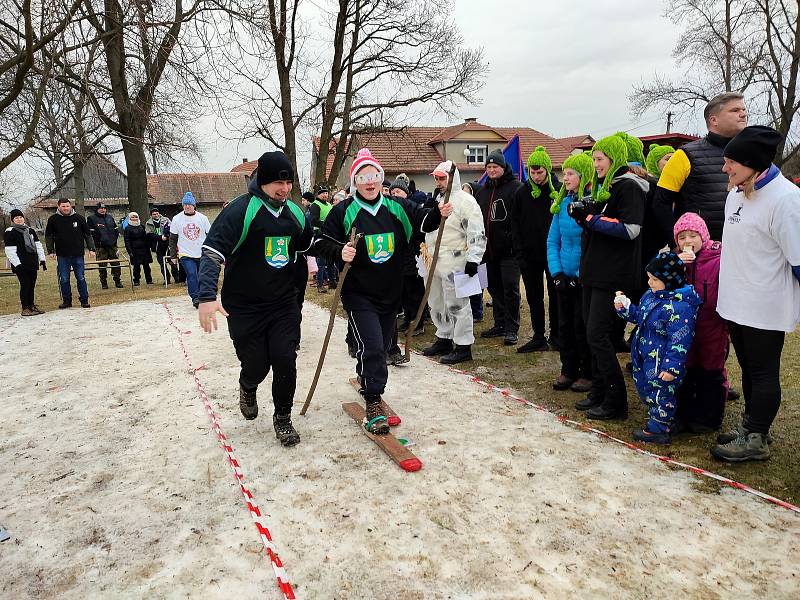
(112, 485)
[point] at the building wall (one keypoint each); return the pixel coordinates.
(101, 180)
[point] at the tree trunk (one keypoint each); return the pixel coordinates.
(136, 162)
(80, 187)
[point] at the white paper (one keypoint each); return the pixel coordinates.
(423, 272)
(467, 286)
(483, 276)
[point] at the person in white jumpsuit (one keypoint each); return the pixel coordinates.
(461, 251)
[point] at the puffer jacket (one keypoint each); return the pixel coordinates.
(564, 242)
(665, 323)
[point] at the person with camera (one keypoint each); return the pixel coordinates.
(611, 260)
(563, 260)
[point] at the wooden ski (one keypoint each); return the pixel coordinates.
(391, 417)
(388, 443)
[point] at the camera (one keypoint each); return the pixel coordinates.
(580, 208)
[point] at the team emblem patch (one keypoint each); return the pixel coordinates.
(380, 246)
(276, 251)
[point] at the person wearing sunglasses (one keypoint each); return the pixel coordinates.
(371, 293)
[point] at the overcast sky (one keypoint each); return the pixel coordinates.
(564, 70)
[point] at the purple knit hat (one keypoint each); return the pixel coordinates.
(692, 222)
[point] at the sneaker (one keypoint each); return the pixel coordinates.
(588, 402)
(459, 354)
(534, 345)
(562, 382)
(284, 430)
(493, 332)
(65, 304)
(27, 312)
(118, 284)
(581, 385)
(396, 359)
(510, 339)
(85, 304)
(642, 435)
(439, 348)
(248, 403)
(104, 285)
(752, 446)
(36, 310)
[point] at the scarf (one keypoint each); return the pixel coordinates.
(27, 235)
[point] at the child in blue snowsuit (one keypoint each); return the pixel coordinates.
(665, 321)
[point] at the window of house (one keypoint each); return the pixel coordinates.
(477, 154)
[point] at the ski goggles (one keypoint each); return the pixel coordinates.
(365, 178)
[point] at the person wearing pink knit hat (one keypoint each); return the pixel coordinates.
(371, 293)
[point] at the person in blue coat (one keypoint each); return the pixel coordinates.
(563, 261)
(665, 320)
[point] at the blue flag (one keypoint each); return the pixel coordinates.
(513, 155)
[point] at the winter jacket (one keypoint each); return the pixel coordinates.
(463, 238)
(104, 230)
(496, 199)
(66, 236)
(564, 242)
(710, 347)
(653, 238)
(611, 251)
(665, 323)
(155, 231)
(17, 253)
(137, 245)
(530, 223)
(319, 211)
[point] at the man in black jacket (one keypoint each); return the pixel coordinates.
(105, 233)
(692, 180)
(496, 199)
(530, 222)
(65, 236)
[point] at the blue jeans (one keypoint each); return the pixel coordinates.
(191, 266)
(476, 303)
(326, 271)
(65, 263)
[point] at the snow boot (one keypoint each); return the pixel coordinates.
(459, 354)
(375, 420)
(438, 348)
(284, 430)
(248, 403)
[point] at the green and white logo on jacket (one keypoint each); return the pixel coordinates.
(380, 246)
(276, 251)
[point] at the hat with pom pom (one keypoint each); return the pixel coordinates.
(582, 165)
(539, 158)
(616, 150)
(655, 154)
(363, 159)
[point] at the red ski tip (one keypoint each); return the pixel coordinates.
(394, 421)
(411, 464)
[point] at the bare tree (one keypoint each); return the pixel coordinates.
(749, 46)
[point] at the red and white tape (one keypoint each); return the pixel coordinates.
(250, 501)
(634, 447)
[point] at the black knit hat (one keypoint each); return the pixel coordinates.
(321, 189)
(754, 146)
(308, 196)
(16, 213)
(496, 158)
(399, 184)
(667, 267)
(274, 166)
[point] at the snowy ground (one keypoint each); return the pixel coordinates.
(112, 485)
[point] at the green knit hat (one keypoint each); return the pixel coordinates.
(635, 147)
(655, 154)
(540, 158)
(614, 148)
(580, 163)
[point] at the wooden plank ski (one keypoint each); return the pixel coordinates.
(388, 443)
(391, 417)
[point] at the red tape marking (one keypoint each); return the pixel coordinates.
(252, 506)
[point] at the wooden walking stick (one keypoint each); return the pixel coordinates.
(432, 268)
(354, 237)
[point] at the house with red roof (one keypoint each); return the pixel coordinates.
(415, 151)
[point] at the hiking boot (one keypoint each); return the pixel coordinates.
(85, 304)
(562, 382)
(510, 339)
(65, 304)
(494, 331)
(27, 312)
(643, 435)
(589, 402)
(285, 431)
(459, 354)
(438, 348)
(118, 284)
(750, 446)
(104, 285)
(248, 403)
(581, 385)
(36, 310)
(375, 421)
(534, 345)
(396, 359)
(729, 436)
(606, 412)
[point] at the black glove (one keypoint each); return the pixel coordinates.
(573, 283)
(44, 265)
(471, 269)
(560, 281)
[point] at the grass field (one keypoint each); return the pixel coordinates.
(532, 375)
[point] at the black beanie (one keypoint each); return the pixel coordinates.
(667, 267)
(399, 184)
(496, 158)
(274, 166)
(16, 213)
(754, 146)
(308, 196)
